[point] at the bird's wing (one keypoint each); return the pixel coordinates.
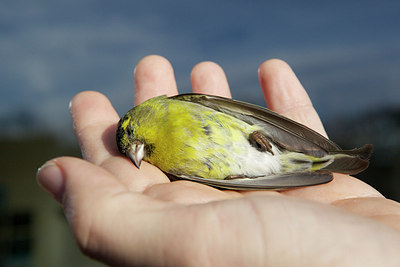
(271, 182)
(285, 132)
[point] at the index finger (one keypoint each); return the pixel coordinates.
(95, 122)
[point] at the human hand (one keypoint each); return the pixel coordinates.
(122, 215)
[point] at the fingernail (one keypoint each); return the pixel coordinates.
(51, 179)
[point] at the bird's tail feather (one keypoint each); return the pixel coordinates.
(350, 161)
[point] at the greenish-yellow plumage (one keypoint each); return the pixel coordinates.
(209, 139)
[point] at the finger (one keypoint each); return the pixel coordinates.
(94, 121)
(63, 176)
(285, 94)
(80, 187)
(153, 76)
(96, 205)
(209, 78)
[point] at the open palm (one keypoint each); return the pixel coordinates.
(123, 215)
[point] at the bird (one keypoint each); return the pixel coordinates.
(230, 144)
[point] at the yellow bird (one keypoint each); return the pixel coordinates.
(231, 144)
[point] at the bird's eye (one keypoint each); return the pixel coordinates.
(129, 131)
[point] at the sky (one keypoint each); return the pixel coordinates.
(345, 53)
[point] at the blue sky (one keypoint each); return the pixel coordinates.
(346, 53)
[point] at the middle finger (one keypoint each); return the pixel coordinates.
(153, 76)
(209, 78)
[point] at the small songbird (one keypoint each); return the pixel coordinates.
(231, 144)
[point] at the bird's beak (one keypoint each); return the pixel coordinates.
(136, 153)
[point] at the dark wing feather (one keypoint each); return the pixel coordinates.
(284, 132)
(272, 182)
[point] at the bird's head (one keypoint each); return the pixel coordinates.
(128, 142)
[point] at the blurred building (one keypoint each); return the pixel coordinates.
(33, 230)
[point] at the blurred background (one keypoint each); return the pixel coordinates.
(345, 53)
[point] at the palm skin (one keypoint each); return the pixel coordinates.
(122, 215)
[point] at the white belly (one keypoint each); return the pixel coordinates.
(252, 163)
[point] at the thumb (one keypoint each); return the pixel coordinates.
(100, 209)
